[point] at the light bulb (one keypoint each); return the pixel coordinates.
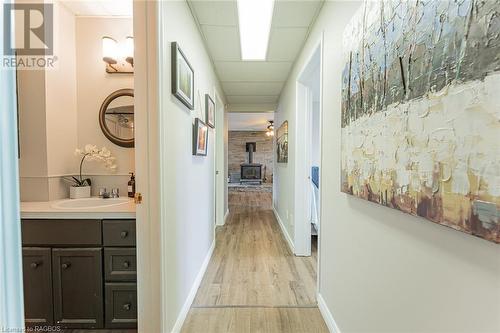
(129, 50)
(109, 50)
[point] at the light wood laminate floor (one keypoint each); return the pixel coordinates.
(93, 331)
(253, 282)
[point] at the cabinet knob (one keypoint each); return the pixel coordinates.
(127, 306)
(65, 265)
(126, 264)
(34, 265)
(124, 234)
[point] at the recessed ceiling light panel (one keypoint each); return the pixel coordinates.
(255, 18)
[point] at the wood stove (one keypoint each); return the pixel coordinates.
(251, 172)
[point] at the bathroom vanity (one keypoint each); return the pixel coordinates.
(79, 266)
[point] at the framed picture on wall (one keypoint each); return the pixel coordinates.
(200, 138)
(282, 143)
(209, 111)
(182, 77)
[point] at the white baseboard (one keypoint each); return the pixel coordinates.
(224, 219)
(284, 231)
(192, 293)
(327, 315)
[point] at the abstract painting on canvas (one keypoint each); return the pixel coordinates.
(421, 110)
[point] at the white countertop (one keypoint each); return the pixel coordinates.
(47, 210)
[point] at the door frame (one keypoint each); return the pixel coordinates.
(220, 168)
(302, 226)
(151, 297)
(303, 132)
(11, 274)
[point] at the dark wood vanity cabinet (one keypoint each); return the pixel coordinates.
(80, 273)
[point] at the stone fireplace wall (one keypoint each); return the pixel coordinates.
(264, 154)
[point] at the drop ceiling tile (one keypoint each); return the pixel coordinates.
(253, 70)
(252, 88)
(216, 12)
(295, 13)
(251, 99)
(270, 107)
(223, 42)
(285, 43)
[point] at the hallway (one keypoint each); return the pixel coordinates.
(253, 282)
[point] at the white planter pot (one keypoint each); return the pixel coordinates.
(79, 192)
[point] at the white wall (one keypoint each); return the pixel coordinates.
(249, 121)
(93, 86)
(283, 185)
(226, 161)
(60, 94)
(33, 169)
(315, 134)
(47, 104)
(187, 181)
(382, 270)
(61, 107)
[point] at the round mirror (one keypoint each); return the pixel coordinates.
(117, 117)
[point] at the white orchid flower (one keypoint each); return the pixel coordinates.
(92, 153)
(105, 152)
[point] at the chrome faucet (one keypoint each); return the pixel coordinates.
(115, 193)
(103, 193)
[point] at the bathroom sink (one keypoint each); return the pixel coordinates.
(88, 203)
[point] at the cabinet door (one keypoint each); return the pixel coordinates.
(78, 296)
(37, 279)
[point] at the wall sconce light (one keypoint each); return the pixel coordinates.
(116, 61)
(109, 50)
(270, 128)
(129, 50)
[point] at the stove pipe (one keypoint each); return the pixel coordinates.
(250, 149)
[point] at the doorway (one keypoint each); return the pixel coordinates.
(308, 155)
(250, 158)
(87, 109)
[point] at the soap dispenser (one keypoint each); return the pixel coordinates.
(131, 185)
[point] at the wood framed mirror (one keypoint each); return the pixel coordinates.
(116, 117)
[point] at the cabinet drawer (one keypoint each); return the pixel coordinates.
(120, 264)
(121, 305)
(118, 232)
(61, 232)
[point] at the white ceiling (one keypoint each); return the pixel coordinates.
(249, 121)
(100, 7)
(254, 86)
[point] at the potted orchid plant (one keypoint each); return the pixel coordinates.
(81, 186)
